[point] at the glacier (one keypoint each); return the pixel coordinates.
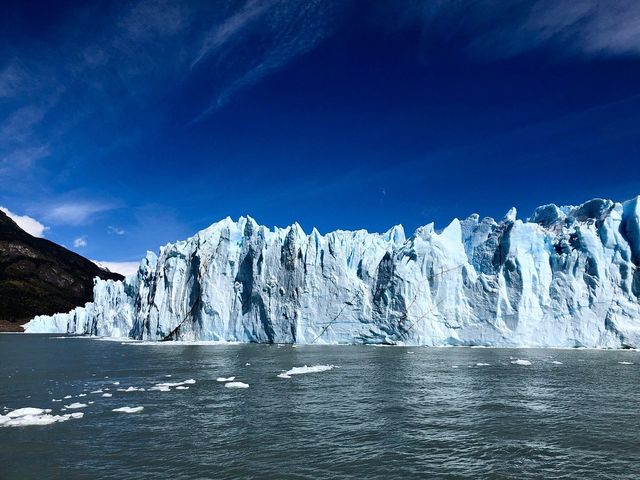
(565, 277)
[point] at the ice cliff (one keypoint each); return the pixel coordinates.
(568, 276)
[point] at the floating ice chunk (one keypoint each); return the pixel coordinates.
(131, 389)
(521, 362)
(67, 397)
(23, 417)
(454, 366)
(483, 364)
(625, 363)
(236, 385)
(556, 362)
(128, 409)
(283, 375)
(97, 391)
(82, 395)
(191, 381)
(225, 379)
(306, 369)
(116, 383)
(56, 400)
(76, 405)
(182, 387)
(247, 364)
(159, 388)
(22, 412)
(107, 395)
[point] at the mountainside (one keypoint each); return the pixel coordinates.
(39, 277)
(568, 276)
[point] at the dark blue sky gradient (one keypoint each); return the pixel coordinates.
(383, 120)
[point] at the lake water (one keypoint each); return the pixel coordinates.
(381, 413)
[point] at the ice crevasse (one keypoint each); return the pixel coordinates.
(567, 276)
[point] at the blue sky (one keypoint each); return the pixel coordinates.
(127, 125)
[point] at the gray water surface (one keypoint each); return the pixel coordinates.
(382, 413)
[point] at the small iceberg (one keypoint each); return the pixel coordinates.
(480, 364)
(128, 409)
(556, 362)
(525, 363)
(131, 389)
(27, 416)
(626, 363)
(182, 387)
(107, 395)
(191, 381)
(160, 389)
(236, 385)
(76, 405)
(306, 369)
(225, 379)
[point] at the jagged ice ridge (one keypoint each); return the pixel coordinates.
(566, 277)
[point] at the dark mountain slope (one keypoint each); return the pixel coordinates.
(38, 276)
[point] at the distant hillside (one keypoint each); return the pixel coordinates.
(38, 276)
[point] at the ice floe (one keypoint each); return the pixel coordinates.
(556, 362)
(480, 364)
(166, 386)
(27, 416)
(225, 379)
(160, 389)
(190, 381)
(625, 363)
(131, 389)
(306, 369)
(521, 362)
(236, 385)
(128, 409)
(107, 395)
(76, 405)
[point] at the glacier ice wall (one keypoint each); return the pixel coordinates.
(568, 276)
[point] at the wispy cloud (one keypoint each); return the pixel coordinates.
(116, 231)
(260, 38)
(138, 51)
(75, 213)
(80, 242)
(505, 29)
(28, 224)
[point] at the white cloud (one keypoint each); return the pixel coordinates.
(116, 230)
(28, 224)
(76, 213)
(493, 29)
(123, 268)
(80, 242)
